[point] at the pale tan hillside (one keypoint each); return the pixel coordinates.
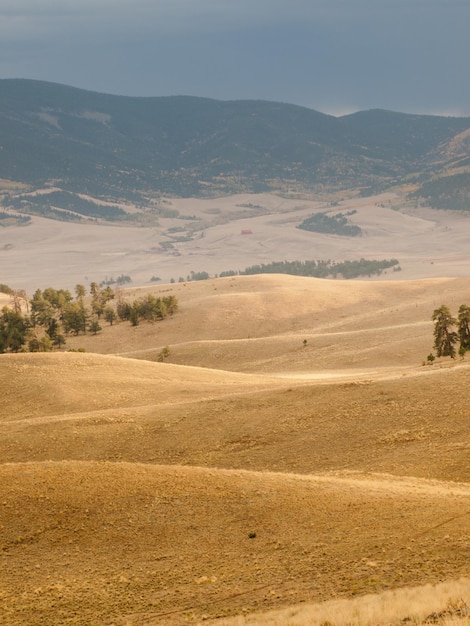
(441, 604)
(111, 543)
(49, 384)
(89, 407)
(259, 323)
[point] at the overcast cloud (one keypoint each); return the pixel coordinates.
(333, 55)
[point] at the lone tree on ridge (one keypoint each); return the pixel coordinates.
(444, 337)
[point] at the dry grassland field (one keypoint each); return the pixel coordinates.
(294, 460)
(428, 243)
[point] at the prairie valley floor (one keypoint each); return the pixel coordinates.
(233, 233)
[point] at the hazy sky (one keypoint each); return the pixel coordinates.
(336, 56)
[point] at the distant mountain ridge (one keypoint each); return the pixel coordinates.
(119, 146)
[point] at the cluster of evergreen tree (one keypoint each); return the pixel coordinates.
(446, 192)
(149, 308)
(312, 268)
(330, 224)
(13, 217)
(449, 331)
(324, 269)
(43, 322)
(122, 279)
(194, 276)
(72, 204)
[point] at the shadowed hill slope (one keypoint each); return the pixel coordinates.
(121, 146)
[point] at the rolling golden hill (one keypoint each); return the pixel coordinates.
(251, 471)
(93, 407)
(117, 543)
(258, 324)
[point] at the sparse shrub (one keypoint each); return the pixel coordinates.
(6, 289)
(110, 315)
(33, 344)
(122, 279)
(163, 354)
(58, 341)
(94, 327)
(124, 310)
(134, 315)
(45, 344)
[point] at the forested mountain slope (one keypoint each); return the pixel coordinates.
(117, 146)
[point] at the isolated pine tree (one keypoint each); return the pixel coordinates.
(444, 337)
(464, 328)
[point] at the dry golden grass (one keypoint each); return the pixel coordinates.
(130, 488)
(103, 407)
(429, 604)
(4, 300)
(144, 544)
(258, 324)
(47, 384)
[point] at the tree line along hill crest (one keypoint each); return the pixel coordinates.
(449, 330)
(43, 322)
